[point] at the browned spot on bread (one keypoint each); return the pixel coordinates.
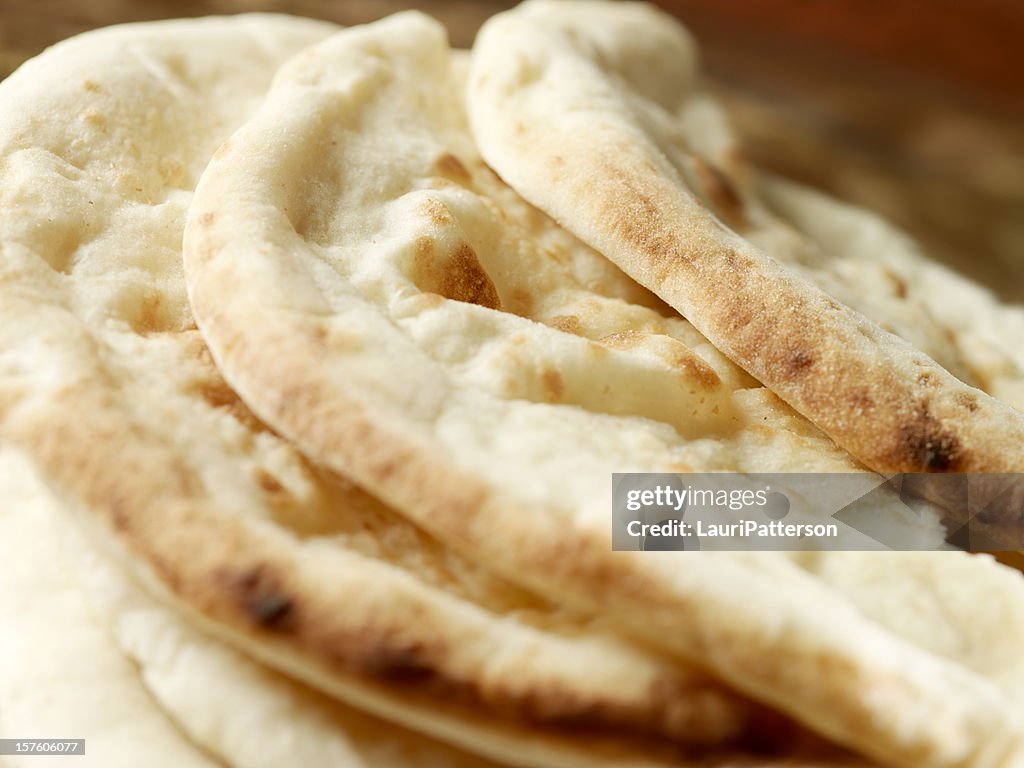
(437, 212)
(671, 708)
(565, 323)
(719, 191)
(737, 316)
(465, 280)
(696, 371)
(207, 219)
(861, 399)
(671, 352)
(459, 276)
(968, 401)
(91, 86)
(318, 332)
(94, 119)
(268, 482)
(424, 249)
(799, 361)
(554, 387)
(271, 610)
(449, 166)
(398, 664)
(148, 319)
(926, 445)
(899, 285)
(218, 394)
(638, 222)
(636, 219)
(385, 469)
(172, 171)
(520, 302)
(262, 597)
(338, 339)
(737, 262)
(118, 516)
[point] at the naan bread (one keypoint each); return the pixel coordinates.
(107, 386)
(566, 115)
(369, 291)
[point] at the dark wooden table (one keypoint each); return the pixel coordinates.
(911, 107)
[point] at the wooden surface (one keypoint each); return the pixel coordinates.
(912, 108)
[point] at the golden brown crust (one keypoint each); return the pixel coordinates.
(457, 276)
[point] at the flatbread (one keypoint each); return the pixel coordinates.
(562, 111)
(107, 386)
(366, 296)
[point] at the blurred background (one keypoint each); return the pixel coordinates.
(914, 108)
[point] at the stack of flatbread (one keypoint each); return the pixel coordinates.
(319, 348)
